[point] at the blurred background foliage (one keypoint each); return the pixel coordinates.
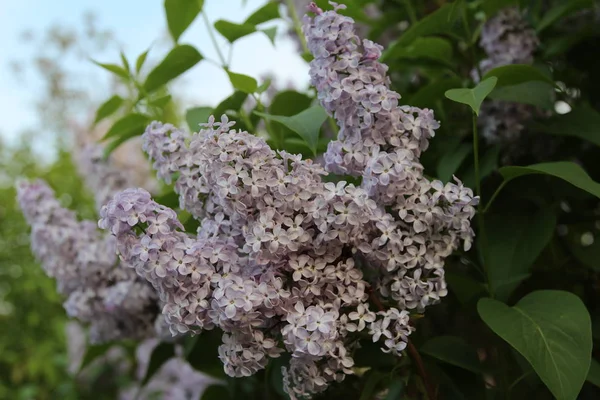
(441, 55)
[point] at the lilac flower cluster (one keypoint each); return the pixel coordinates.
(111, 299)
(277, 263)
(506, 39)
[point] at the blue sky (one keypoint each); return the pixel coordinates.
(137, 24)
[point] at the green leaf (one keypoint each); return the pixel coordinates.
(204, 356)
(536, 93)
(108, 108)
(473, 97)
(245, 83)
(139, 63)
(452, 350)
(271, 34)
(552, 330)
(160, 101)
(130, 125)
(464, 287)
(92, 352)
(567, 171)
(215, 392)
(233, 102)
(431, 48)
(593, 375)
(515, 239)
(180, 15)
(232, 31)
(582, 122)
(395, 390)
(264, 86)
(110, 147)
(373, 380)
(125, 63)
(288, 103)
(561, 10)
(442, 20)
(179, 60)
(491, 7)
(266, 13)
(115, 69)
(451, 161)
(515, 74)
(196, 116)
(488, 164)
(307, 124)
(162, 353)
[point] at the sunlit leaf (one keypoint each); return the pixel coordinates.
(130, 125)
(108, 108)
(115, 69)
(196, 116)
(180, 59)
(232, 31)
(181, 14)
(245, 83)
(266, 13)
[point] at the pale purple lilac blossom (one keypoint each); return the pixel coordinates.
(111, 299)
(279, 255)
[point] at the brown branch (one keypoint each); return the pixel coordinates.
(414, 354)
(412, 351)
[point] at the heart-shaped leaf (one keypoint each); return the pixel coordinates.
(552, 330)
(473, 97)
